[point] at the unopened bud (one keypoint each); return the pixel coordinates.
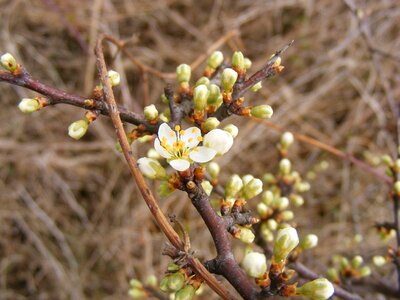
(255, 264)
(185, 293)
(266, 233)
(297, 200)
(215, 97)
(238, 61)
(287, 215)
(232, 129)
(267, 197)
(78, 129)
(213, 169)
(280, 203)
(285, 166)
(176, 281)
(203, 80)
(252, 188)
(114, 77)
(286, 140)
(365, 271)
(387, 160)
(247, 63)
(210, 124)
(286, 240)
(318, 289)
(151, 280)
(332, 274)
(262, 209)
(8, 62)
(28, 105)
(246, 235)
(228, 79)
(183, 73)
(255, 88)
(397, 187)
(207, 187)
(200, 95)
(135, 283)
(268, 178)
(357, 261)
(136, 293)
(247, 178)
(215, 59)
(262, 111)
(151, 168)
(302, 187)
(150, 112)
(272, 224)
(233, 186)
(309, 241)
(379, 260)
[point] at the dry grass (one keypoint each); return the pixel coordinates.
(73, 225)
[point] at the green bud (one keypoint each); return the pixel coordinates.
(287, 215)
(286, 140)
(247, 63)
(332, 274)
(357, 261)
(246, 235)
(114, 77)
(266, 233)
(285, 166)
(272, 224)
(150, 112)
(286, 240)
(233, 186)
(397, 187)
(232, 129)
(134, 283)
(78, 129)
(176, 281)
(215, 59)
(207, 187)
(365, 271)
(297, 200)
(151, 168)
(8, 62)
(210, 124)
(309, 241)
(200, 95)
(28, 105)
(252, 188)
(151, 280)
(213, 169)
(379, 260)
(247, 178)
(164, 284)
(203, 80)
(343, 263)
(238, 61)
(215, 95)
(302, 187)
(254, 264)
(164, 99)
(228, 79)
(267, 197)
(137, 293)
(173, 267)
(387, 160)
(262, 111)
(183, 73)
(164, 117)
(262, 209)
(268, 178)
(318, 289)
(185, 293)
(280, 203)
(255, 88)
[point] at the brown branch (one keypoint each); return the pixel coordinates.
(151, 202)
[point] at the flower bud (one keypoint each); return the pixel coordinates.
(297, 200)
(397, 187)
(318, 289)
(215, 59)
(247, 63)
(255, 88)
(233, 186)
(8, 62)
(267, 197)
(302, 187)
(379, 260)
(268, 178)
(285, 166)
(213, 169)
(387, 160)
(135, 283)
(272, 224)
(228, 79)
(215, 97)
(28, 105)
(262, 111)
(287, 215)
(246, 235)
(332, 274)
(238, 61)
(210, 124)
(151, 280)
(252, 188)
(164, 284)
(254, 264)
(151, 168)
(207, 187)
(114, 77)
(232, 129)
(365, 271)
(185, 293)
(200, 95)
(286, 240)
(136, 293)
(150, 112)
(262, 210)
(173, 267)
(152, 153)
(309, 241)
(286, 140)
(176, 281)
(78, 129)
(183, 73)
(280, 203)
(203, 80)
(219, 140)
(357, 261)
(266, 233)
(247, 178)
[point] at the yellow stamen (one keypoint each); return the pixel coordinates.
(172, 133)
(177, 128)
(182, 132)
(200, 138)
(190, 140)
(193, 130)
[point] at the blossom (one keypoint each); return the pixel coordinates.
(180, 147)
(318, 289)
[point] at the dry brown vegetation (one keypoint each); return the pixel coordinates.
(72, 223)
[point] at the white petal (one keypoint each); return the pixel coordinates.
(180, 164)
(164, 131)
(191, 137)
(219, 140)
(160, 149)
(145, 167)
(202, 154)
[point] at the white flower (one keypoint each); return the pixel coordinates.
(318, 289)
(255, 264)
(180, 147)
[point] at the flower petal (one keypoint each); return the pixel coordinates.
(202, 154)
(180, 164)
(191, 137)
(219, 140)
(160, 149)
(165, 132)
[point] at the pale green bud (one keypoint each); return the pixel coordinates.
(200, 95)
(183, 73)
(266, 233)
(247, 63)
(286, 140)
(365, 271)
(318, 289)
(379, 260)
(28, 105)
(164, 284)
(285, 166)
(255, 88)
(185, 293)
(203, 80)
(164, 118)
(232, 129)
(287, 215)
(343, 263)
(151, 168)
(280, 203)
(246, 235)
(254, 264)
(269, 178)
(387, 160)
(238, 60)
(151, 280)
(176, 281)
(8, 62)
(152, 153)
(172, 267)
(247, 178)
(207, 187)
(332, 274)
(164, 99)
(357, 261)
(233, 186)
(252, 188)
(286, 240)
(215, 59)
(267, 197)
(397, 165)
(213, 169)
(397, 187)
(228, 79)
(134, 283)
(309, 241)
(114, 77)
(137, 293)
(297, 200)
(262, 209)
(215, 97)
(78, 129)
(262, 111)
(272, 224)
(302, 187)
(211, 123)
(150, 112)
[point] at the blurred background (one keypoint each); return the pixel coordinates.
(72, 223)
